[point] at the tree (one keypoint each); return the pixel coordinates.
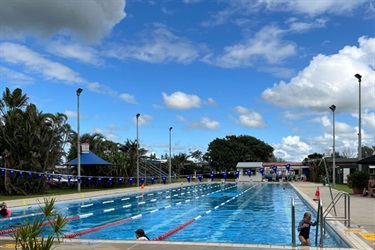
(316, 167)
(180, 159)
(227, 152)
(29, 140)
(367, 151)
(197, 155)
(349, 153)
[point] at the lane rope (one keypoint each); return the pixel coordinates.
(82, 216)
(169, 233)
(70, 236)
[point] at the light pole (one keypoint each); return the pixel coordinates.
(137, 116)
(359, 77)
(333, 108)
(170, 155)
(79, 91)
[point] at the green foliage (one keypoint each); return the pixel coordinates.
(358, 179)
(227, 152)
(316, 167)
(29, 140)
(29, 236)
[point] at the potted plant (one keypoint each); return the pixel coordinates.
(358, 180)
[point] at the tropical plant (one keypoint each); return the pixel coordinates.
(358, 179)
(29, 141)
(180, 159)
(316, 167)
(30, 236)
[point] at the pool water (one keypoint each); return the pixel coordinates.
(254, 213)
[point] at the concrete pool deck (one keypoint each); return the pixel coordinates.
(361, 232)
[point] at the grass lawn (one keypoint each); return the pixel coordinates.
(344, 188)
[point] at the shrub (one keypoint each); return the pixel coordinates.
(30, 235)
(358, 179)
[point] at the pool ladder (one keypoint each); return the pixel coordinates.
(323, 216)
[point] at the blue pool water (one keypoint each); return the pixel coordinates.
(255, 213)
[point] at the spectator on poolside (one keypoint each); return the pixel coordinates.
(4, 210)
(370, 187)
(304, 229)
(140, 234)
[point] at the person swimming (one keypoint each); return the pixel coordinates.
(140, 234)
(4, 210)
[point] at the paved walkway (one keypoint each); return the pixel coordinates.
(361, 231)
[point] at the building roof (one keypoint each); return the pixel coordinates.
(279, 164)
(88, 159)
(249, 165)
(368, 160)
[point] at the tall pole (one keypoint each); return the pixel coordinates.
(137, 116)
(359, 77)
(333, 108)
(79, 91)
(170, 155)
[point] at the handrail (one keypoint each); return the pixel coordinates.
(322, 214)
(322, 225)
(293, 223)
(317, 226)
(346, 217)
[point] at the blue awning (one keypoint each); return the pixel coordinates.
(88, 159)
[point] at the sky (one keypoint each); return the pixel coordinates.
(207, 68)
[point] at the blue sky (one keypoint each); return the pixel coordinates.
(265, 68)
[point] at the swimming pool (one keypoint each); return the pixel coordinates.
(254, 213)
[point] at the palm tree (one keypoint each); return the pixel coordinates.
(12, 101)
(181, 159)
(29, 140)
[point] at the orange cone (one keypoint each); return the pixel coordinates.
(317, 194)
(143, 186)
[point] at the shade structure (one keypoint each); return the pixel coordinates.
(368, 160)
(89, 159)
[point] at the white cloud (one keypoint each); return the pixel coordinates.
(13, 77)
(279, 72)
(210, 101)
(291, 148)
(35, 63)
(128, 98)
(330, 79)
(13, 53)
(266, 46)
(205, 123)
(108, 133)
(368, 119)
(71, 114)
(296, 25)
(291, 115)
(312, 8)
(180, 118)
(157, 46)
(248, 118)
(88, 20)
(143, 120)
(77, 52)
(180, 100)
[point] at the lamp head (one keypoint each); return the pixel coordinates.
(138, 115)
(170, 128)
(358, 76)
(79, 91)
(333, 108)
